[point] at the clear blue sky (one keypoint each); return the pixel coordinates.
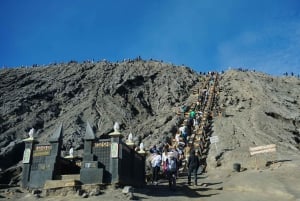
(203, 34)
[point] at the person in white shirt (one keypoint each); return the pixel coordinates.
(177, 138)
(155, 163)
(165, 158)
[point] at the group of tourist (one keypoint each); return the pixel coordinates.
(169, 159)
(167, 163)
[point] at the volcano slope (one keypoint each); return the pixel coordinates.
(141, 95)
(255, 109)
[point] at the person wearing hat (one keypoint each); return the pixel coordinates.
(193, 165)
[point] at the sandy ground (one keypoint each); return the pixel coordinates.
(280, 181)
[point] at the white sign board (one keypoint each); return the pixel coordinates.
(26, 155)
(214, 139)
(114, 150)
(262, 149)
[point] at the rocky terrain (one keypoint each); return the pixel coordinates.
(142, 96)
(257, 109)
(254, 109)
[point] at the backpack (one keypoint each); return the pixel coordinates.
(172, 167)
(192, 114)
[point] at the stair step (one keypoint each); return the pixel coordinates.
(49, 184)
(70, 176)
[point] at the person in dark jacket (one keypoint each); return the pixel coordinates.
(193, 165)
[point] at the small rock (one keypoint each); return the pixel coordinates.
(127, 189)
(130, 196)
(79, 192)
(85, 195)
(37, 195)
(35, 192)
(95, 192)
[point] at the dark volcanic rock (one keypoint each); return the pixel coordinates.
(141, 96)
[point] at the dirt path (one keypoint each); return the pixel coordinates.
(279, 182)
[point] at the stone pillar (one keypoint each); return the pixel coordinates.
(45, 158)
(56, 143)
(90, 172)
(115, 138)
(89, 138)
(27, 160)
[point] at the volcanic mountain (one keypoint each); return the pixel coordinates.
(252, 108)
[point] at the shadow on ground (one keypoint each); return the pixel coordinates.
(182, 189)
(269, 163)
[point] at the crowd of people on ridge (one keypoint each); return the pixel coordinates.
(166, 161)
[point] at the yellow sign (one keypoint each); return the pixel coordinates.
(102, 144)
(42, 150)
(41, 153)
(42, 147)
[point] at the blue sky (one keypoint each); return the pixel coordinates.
(203, 34)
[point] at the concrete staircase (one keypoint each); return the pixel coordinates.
(199, 138)
(70, 180)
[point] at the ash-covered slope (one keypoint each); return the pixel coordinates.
(141, 96)
(257, 109)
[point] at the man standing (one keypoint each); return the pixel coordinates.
(155, 163)
(193, 165)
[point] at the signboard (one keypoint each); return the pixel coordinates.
(114, 150)
(102, 144)
(262, 149)
(214, 139)
(42, 150)
(90, 165)
(26, 155)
